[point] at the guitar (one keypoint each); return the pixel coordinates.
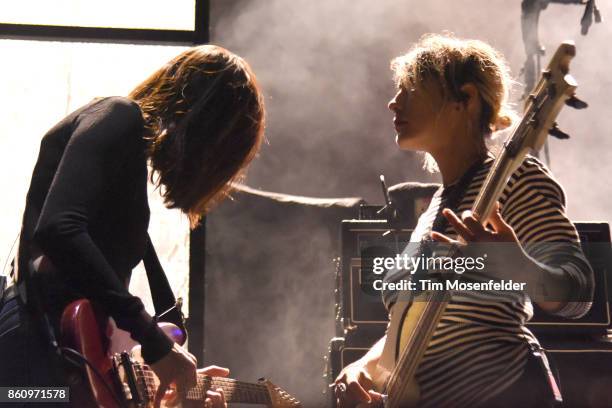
(115, 379)
(413, 325)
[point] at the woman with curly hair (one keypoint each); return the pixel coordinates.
(452, 94)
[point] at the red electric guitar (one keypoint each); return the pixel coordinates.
(117, 378)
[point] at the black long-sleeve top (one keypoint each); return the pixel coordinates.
(87, 211)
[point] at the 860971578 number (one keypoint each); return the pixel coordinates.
(34, 394)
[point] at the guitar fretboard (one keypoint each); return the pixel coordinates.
(235, 391)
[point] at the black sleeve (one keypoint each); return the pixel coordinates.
(101, 141)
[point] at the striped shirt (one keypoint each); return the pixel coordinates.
(481, 344)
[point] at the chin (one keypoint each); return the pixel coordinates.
(405, 142)
(413, 140)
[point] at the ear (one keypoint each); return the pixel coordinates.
(470, 98)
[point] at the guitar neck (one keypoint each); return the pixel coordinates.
(503, 167)
(436, 303)
(235, 391)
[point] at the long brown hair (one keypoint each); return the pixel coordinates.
(204, 115)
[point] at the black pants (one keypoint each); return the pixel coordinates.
(26, 356)
(531, 390)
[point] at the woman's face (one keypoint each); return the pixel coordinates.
(419, 118)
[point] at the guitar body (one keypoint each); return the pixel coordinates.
(412, 393)
(116, 378)
(87, 330)
(406, 322)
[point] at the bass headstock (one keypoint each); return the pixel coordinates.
(555, 88)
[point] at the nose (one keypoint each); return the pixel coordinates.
(394, 102)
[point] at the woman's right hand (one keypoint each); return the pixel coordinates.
(179, 367)
(354, 388)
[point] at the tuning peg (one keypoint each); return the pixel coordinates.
(558, 133)
(576, 103)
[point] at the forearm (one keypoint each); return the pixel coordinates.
(564, 287)
(83, 265)
(369, 361)
(549, 287)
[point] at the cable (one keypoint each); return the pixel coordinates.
(9, 254)
(82, 358)
(61, 352)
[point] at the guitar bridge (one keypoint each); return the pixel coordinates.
(128, 380)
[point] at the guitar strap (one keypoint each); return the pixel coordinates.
(452, 195)
(167, 308)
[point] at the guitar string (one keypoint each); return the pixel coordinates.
(213, 380)
(396, 388)
(412, 363)
(520, 133)
(243, 390)
(407, 364)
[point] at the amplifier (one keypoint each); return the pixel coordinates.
(361, 308)
(595, 241)
(357, 304)
(360, 305)
(583, 368)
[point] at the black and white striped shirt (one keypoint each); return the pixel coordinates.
(481, 344)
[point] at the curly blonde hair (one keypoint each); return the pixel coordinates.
(452, 62)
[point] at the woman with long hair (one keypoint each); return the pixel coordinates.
(198, 121)
(452, 94)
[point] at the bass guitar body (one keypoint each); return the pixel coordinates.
(404, 317)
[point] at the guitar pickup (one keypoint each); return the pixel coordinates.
(127, 378)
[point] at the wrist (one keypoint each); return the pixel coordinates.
(155, 343)
(545, 284)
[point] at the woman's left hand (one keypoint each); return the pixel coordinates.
(214, 398)
(471, 230)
